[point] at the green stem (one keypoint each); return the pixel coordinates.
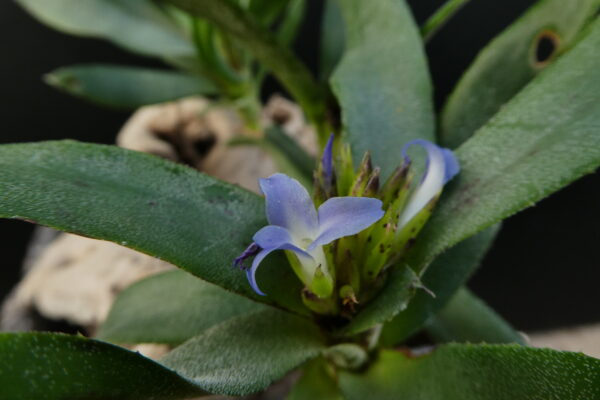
(286, 67)
(440, 17)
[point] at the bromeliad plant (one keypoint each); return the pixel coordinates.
(377, 254)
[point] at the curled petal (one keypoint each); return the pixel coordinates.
(440, 168)
(251, 272)
(250, 251)
(345, 216)
(289, 206)
(452, 167)
(276, 237)
(272, 238)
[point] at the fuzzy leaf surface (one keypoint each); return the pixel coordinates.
(160, 208)
(477, 372)
(143, 313)
(542, 140)
(248, 353)
(56, 367)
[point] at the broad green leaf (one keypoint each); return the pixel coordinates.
(137, 25)
(331, 46)
(468, 319)
(57, 367)
(127, 87)
(247, 353)
(382, 82)
(393, 298)
(542, 140)
(267, 49)
(508, 63)
(318, 381)
(444, 277)
(472, 372)
(170, 308)
(160, 208)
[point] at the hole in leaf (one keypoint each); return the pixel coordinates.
(545, 47)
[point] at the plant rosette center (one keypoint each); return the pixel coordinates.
(342, 241)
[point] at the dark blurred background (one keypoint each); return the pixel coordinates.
(541, 273)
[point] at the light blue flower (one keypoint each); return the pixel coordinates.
(440, 168)
(295, 225)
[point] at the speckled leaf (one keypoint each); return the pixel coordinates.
(509, 62)
(137, 25)
(59, 367)
(247, 353)
(160, 208)
(468, 319)
(127, 87)
(477, 372)
(545, 138)
(143, 314)
(382, 82)
(444, 277)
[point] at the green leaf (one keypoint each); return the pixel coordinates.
(471, 372)
(444, 277)
(331, 46)
(293, 17)
(57, 367)
(160, 208)
(318, 381)
(137, 25)
(267, 49)
(468, 319)
(508, 63)
(382, 82)
(392, 298)
(441, 17)
(143, 314)
(247, 353)
(545, 138)
(127, 87)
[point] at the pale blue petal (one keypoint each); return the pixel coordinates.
(289, 206)
(276, 237)
(451, 164)
(271, 238)
(345, 216)
(441, 166)
(251, 272)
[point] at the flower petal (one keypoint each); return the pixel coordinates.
(251, 272)
(441, 167)
(276, 237)
(250, 251)
(290, 206)
(327, 161)
(272, 238)
(345, 216)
